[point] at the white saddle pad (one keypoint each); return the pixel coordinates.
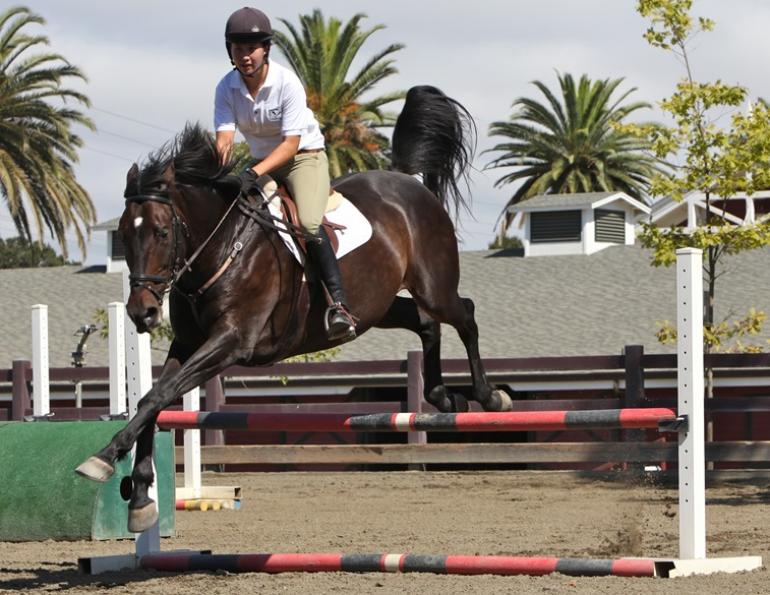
(357, 230)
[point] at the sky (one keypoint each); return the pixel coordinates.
(152, 66)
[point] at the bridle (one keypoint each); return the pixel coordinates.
(176, 264)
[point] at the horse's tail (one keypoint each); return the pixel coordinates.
(435, 136)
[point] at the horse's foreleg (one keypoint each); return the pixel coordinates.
(142, 511)
(212, 357)
(101, 466)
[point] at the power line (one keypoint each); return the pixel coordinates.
(109, 154)
(116, 115)
(133, 140)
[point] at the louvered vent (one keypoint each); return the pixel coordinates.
(118, 248)
(609, 226)
(556, 226)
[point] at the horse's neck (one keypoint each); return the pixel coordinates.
(203, 213)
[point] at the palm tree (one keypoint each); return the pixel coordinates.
(571, 145)
(37, 144)
(322, 55)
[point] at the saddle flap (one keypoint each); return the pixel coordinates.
(289, 211)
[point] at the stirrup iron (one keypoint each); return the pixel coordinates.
(338, 309)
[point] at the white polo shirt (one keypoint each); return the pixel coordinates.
(280, 109)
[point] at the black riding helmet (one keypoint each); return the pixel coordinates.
(247, 25)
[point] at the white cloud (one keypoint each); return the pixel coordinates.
(158, 62)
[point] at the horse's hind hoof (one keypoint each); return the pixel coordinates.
(95, 469)
(141, 519)
(459, 403)
(501, 401)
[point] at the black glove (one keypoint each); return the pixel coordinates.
(248, 178)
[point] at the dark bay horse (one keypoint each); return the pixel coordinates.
(237, 294)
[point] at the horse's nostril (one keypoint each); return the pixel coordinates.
(150, 317)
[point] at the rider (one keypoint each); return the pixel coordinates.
(266, 102)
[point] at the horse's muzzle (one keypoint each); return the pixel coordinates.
(144, 310)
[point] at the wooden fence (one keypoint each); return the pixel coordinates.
(740, 410)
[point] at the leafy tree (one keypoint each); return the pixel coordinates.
(37, 144)
(16, 253)
(718, 161)
(570, 144)
(241, 156)
(160, 337)
(322, 54)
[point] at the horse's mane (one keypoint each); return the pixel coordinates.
(193, 155)
(435, 136)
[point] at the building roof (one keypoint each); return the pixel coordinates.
(576, 304)
(109, 225)
(546, 202)
(72, 295)
(667, 212)
(556, 305)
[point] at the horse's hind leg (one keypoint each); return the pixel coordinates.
(490, 399)
(459, 312)
(404, 313)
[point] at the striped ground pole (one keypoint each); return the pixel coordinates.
(510, 421)
(502, 565)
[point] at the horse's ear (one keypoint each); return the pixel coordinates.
(132, 175)
(168, 176)
(132, 180)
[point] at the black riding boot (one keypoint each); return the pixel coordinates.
(338, 321)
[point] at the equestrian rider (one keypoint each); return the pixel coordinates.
(266, 102)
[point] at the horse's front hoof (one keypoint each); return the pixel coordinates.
(141, 519)
(95, 469)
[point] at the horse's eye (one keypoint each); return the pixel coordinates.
(162, 233)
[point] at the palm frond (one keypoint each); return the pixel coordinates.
(569, 143)
(37, 142)
(322, 51)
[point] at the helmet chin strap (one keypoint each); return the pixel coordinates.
(257, 72)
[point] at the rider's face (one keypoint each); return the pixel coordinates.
(248, 57)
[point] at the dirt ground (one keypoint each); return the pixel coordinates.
(495, 513)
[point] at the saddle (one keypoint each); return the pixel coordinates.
(289, 210)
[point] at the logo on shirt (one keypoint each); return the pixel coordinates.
(274, 113)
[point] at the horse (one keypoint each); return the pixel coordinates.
(237, 295)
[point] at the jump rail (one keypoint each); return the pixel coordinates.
(692, 527)
(504, 565)
(515, 421)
